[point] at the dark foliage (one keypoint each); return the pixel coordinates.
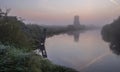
(18, 60)
(15, 40)
(111, 34)
(12, 32)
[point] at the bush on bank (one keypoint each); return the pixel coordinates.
(19, 60)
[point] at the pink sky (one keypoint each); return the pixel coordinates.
(62, 12)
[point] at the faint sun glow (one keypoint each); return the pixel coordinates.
(114, 1)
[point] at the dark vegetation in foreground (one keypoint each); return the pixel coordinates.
(17, 42)
(14, 59)
(111, 34)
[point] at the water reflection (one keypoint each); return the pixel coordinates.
(41, 42)
(89, 54)
(75, 34)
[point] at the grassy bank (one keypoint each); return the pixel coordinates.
(17, 42)
(13, 59)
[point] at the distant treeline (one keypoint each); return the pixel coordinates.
(14, 31)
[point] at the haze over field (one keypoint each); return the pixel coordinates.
(61, 12)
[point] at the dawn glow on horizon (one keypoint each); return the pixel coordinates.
(61, 12)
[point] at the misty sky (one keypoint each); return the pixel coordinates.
(60, 12)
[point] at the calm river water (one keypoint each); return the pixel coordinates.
(83, 51)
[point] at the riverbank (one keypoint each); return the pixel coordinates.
(13, 59)
(17, 42)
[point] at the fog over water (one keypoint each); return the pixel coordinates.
(83, 51)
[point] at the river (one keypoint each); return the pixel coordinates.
(84, 51)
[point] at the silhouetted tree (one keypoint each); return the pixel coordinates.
(111, 34)
(11, 31)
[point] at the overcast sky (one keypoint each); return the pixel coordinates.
(61, 12)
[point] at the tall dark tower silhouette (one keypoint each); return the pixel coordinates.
(76, 21)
